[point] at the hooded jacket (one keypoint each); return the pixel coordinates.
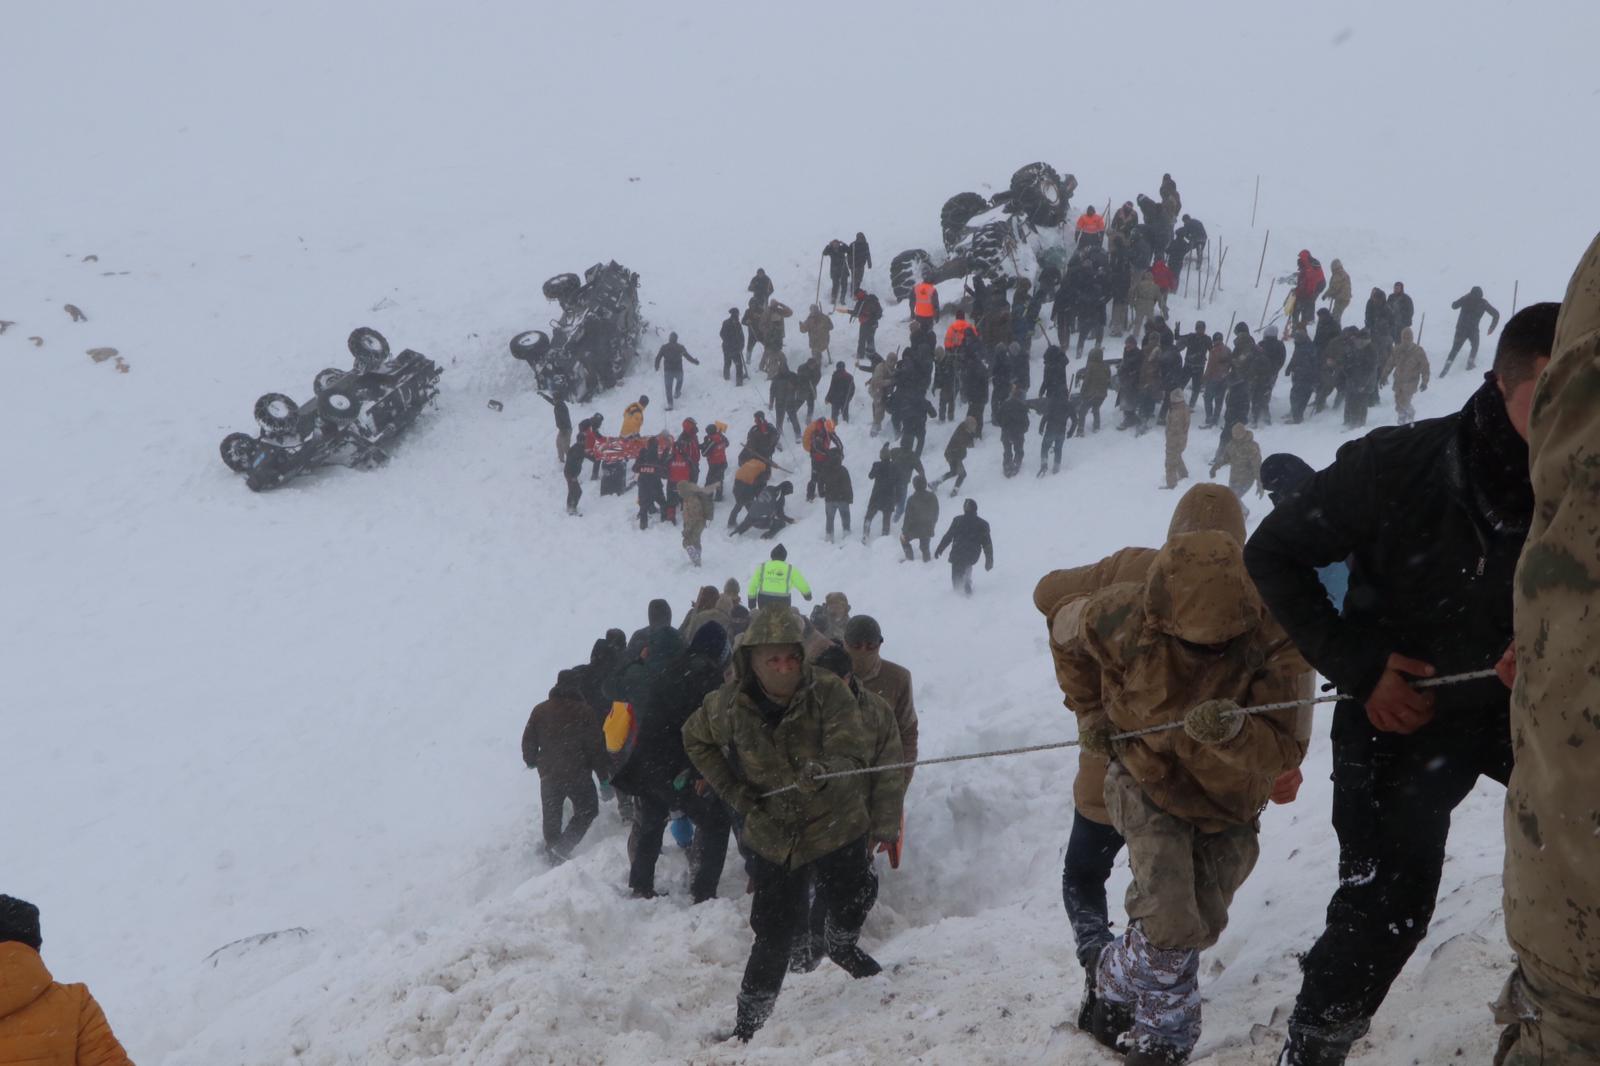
(563, 738)
(1131, 660)
(45, 1023)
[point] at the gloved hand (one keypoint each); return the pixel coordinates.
(681, 782)
(1214, 721)
(1096, 740)
(808, 780)
(1424, 386)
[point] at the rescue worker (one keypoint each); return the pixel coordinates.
(960, 332)
(651, 468)
(1055, 421)
(868, 313)
(762, 440)
(43, 1021)
(889, 681)
(1472, 307)
(1304, 370)
(572, 470)
(1338, 292)
(1094, 384)
(1188, 646)
(715, 450)
(563, 741)
(669, 360)
(879, 385)
(775, 579)
(1551, 1002)
(1219, 362)
(1177, 438)
(921, 518)
(766, 511)
(925, 305)
(1433, 517)
(1143, 296)
(748, 480)
(974, 386)
(841, 390)
(1408, 362)
(833, 484)
(881, 500)
(1308, 285)
(760, 289)
(837, 253)
(860, 260)
(733, 352)
(785, 397)
(818, 328)
(563, 425)
(780, 724)
(1268, 363)
(967, 538)
(633, 417)
(1090, 230)
(955, 453)
(698, 509)
(1242, 457)
(1401, 310)
(1014, 424)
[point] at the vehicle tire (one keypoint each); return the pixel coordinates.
(988, 250)
(1037, 194)
(906, 269)
(338, 405)
(957, 212)
(562, 287)
(531, 346)
(238, 451)
(325, 380)
(276, 413)
(369, 347)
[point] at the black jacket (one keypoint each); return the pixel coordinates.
(573, 464)
(673, 354)
(1014, 417)
(1472, 307)
(968, 539)
(841, 387)
(665, 703)
(732, 336)
(1432, 518)
(860, 254)
(1055, 372)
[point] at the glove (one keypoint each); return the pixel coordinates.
(808, 779)
(1096, 740)
(1424, 386)
(989, 565)
(681, 782)
(1214, 721)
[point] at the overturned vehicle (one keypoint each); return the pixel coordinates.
(981, 232)
(594, 343)
(353, 418)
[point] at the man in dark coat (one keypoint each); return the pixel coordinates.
(563, 741)
(837, 253)
(651, 467)
(967, 538)
(841, 390)
(860, 260)
(1432, 519)
(1054, 378)
(669, 360)
(868, 312)
(1401, 310)
(760, 290)
(733, 347)
(1014, 423)
(1196, 347)
(1472, 307)
(1304, 370)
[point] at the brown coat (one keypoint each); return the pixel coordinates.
(698, 504)
(886, 791)
(892, 683)
(46, 1023)
(563, 738)
(1408, 363)
(817, 327)
(1131, 669)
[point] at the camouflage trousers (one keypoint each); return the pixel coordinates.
(1176, 469)
(1546, 1024)
(1161, 985)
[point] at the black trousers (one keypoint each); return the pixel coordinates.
(652, 810)
(554, 791)
(651, 499)
(781, 908)
(1299, 395)
(866, 342)
(961, 577)
(1051, 442)
(672, 381)
(838, 412)
(574, 493)
(1469, 338)
(840, 292)
(1011, 453)
(715, 473)
(1392, 798)
(906, 541)
(1091, 849)
(913, 434)
(947, 403)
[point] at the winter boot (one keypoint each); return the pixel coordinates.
(1108, 1021)
(846, 953)
(1091, 994)
(1323, 1046)
(753, 1012)
(1151, 1054)
(806, 953)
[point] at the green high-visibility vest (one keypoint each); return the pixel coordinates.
(775, 578)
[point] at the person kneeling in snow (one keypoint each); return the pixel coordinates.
(782, 723)
(1188, 645)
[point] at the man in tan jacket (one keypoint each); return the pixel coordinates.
(1186, 648)
(1551, 1004)
(1177, 438)
(1409, 364)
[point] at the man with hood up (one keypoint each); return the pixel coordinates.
(1472, 307)
(1409, 364)
(1242, 457)
(1338, 292)
(763, 741)
(967, 538)
(1187, 647)
(563, 741)
(1094, 843)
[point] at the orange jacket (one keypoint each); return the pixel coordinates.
(1091, 223)
(957, 334)
(632, 419)
(750, 471)
(926, 300)
(43, 1023)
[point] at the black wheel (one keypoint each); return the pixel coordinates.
(325, 380)
(1038, 195)
(989, 249)
(238, 451)
(531, 346)
(957, 212)
(276, 413)
(338, 405)
(369, 347)
(562, 287)
(908, 268)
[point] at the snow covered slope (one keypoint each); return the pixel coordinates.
(230, 714)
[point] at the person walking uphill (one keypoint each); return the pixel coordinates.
(780, 723)
(837, 253)
(1551, 1003)
(44, 1022)
(774, 579)
(1472, 307)
(669, 360)
(1432, 517)
(1189, 644)
(967, 538)
(563, 741)
(891, 682)
(1177, 438)
(732, 335)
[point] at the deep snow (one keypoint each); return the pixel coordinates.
(230, 714)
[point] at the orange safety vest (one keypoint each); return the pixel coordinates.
(956, 335)
(924, 295)
(1091, 224)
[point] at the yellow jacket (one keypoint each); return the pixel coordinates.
(44, 1023)
(632, 419)
(775, 578)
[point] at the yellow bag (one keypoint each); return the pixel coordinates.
(621, 728)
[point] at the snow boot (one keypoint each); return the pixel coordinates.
(846, 953)
(806, 954)
(1108, 1021)
(1155, 1055)
(753, 1012)
(1321, 1047)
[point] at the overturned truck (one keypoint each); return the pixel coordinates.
(981, 232)
(354, 417)
(594, 343)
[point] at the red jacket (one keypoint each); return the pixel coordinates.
(715, 448)
(1161, 274)
(688, 449)
(1310, 282)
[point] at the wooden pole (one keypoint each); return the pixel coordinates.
(1216, 279)
(1253, 201)
(819, 277)
(1270, 286)
(1421, 325)
(1259, 265)
(1514, 286)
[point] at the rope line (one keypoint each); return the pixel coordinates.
(1264, 708)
